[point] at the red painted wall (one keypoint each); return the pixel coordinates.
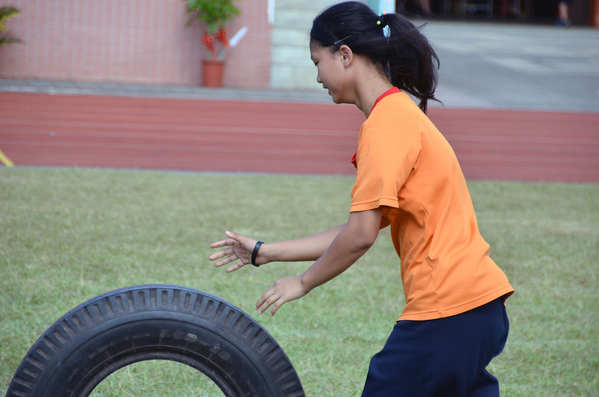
(130, 41)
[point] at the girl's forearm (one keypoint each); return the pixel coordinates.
(353, 241)
(303, 249)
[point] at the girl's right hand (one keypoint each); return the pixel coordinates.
(241, 249)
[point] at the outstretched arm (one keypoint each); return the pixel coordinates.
(353, 240)
(241, 247)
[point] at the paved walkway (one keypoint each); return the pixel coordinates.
(520, 103)
(483, 65)
(512, 66)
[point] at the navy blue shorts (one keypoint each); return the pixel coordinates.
(444, 357)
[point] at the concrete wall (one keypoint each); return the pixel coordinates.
(291, 65)
(131, 41)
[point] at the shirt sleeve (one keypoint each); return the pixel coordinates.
(385, 159)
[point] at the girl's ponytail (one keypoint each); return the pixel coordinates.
(392, 42)
(412, 62)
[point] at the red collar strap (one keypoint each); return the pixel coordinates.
(393, 90)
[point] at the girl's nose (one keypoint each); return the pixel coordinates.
(318, 80)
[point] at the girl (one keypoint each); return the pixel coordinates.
(408, 179)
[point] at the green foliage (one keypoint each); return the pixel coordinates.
(6, 13)
(67, 235)
(214, 13)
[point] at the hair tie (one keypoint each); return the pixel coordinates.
(381, 22)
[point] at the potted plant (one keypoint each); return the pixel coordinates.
(6, 13)
(214, 14)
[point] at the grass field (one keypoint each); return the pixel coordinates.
(67, 235)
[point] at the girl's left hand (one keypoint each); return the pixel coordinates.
(282, 291)
(241, 248)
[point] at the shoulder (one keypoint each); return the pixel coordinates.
(397, 111)
(395, 117)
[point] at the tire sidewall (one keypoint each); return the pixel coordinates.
(148, 321)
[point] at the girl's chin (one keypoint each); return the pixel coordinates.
(336, 99)
(332, 96)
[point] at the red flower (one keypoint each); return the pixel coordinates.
(222, 36)
(207, 40)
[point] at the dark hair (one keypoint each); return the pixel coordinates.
(404, 54)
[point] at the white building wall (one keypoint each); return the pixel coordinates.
(291, 67)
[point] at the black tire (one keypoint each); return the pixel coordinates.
(149, 322)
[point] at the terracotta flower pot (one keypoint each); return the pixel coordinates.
(212, 72)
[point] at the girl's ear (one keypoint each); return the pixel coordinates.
(347, 55)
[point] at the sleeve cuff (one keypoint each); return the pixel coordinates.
(370, 205)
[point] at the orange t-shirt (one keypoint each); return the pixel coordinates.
(406, 167)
